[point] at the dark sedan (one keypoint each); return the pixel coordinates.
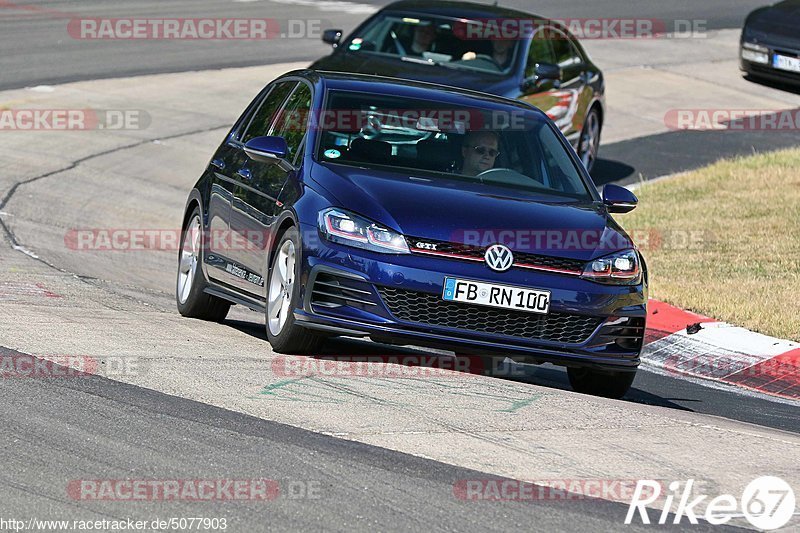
(770, 43)
(363, 206)
(484, 48)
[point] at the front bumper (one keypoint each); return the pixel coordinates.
(353, 292)
(767, 71)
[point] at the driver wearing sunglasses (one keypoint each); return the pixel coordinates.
(479, 152)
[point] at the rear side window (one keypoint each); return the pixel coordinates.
(262, 120)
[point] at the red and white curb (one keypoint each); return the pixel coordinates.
(686, 344)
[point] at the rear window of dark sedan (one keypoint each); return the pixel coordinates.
(507, 146)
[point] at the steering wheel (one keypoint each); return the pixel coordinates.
(481, 62)
(503, 175)
(493, 171)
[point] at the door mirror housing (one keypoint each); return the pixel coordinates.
(332, 37)
(619, 199)
(271, 150)
(542, 73)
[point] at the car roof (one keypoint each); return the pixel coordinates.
(369, 83)
(468, 10)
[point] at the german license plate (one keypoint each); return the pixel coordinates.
(495, 295)
(791, 64)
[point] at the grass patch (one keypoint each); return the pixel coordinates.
(724, 241)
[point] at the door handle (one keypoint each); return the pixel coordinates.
(245, 174)
(219, 164)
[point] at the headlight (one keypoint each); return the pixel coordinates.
(755, 53)
(621, 268)
(348, 228)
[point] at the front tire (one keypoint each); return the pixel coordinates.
(283, 297)
(192, 301)
(607, 384)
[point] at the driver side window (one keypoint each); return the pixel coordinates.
(541, 51)
(263, 118)
(565, 53)
(293, 119)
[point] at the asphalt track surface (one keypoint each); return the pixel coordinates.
(37, 49)
(324, 483)
(625, 161)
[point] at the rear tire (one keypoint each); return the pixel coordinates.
(283, 297)
(607, 384)
(589, 142)
(192, 301)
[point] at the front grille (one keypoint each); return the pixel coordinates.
(430, 309)
(468, 251)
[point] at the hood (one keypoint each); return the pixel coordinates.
(777, 24)
(452, 210)
(366, 63)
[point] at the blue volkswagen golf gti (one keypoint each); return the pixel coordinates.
(412, 214)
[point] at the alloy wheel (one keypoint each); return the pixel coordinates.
(190, 252)
(281, 288)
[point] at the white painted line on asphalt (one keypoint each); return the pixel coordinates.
(324, 5)
(42, 89)
(25, 251)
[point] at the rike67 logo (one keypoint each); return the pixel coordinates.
(767, 502)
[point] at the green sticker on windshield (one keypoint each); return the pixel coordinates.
(332, 154)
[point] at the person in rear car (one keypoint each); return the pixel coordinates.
(424, 40)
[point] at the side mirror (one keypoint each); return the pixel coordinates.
(543, 72)
(619, 199)
(271, 150)
(332, 37)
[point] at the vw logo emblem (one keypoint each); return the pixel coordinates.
(499, 257)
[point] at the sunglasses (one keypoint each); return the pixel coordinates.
(484, 150)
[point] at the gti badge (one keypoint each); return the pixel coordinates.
(499, 257)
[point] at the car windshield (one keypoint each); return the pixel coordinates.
(506, 146)
(435, 41)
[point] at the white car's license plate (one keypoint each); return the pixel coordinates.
(494, 295)
(791, 64)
